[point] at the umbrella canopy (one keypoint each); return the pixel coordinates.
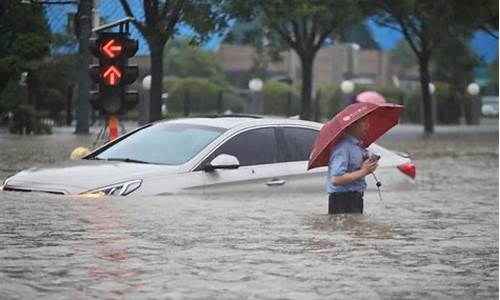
(382, 118)
(370, 97)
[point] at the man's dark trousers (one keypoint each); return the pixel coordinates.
(345, 203)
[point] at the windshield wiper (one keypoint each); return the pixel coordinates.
(93, 158)
(130, 160)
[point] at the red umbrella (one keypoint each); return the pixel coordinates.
(382, 117)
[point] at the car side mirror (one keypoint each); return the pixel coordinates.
(223, 161)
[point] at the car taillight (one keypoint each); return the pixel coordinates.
(408, 169)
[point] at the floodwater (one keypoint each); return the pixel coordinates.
(439, 240)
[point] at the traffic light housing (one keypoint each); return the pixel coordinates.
(113, 73)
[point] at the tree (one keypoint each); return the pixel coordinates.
(183, 59)
(425, 24)
(159, 25)
(402, 57)
(493, 75)
(24, 39)
(478, 15)
(302, 25)
(454, 63)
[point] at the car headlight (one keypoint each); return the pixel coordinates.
(119, 189)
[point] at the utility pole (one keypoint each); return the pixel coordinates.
(84, 32)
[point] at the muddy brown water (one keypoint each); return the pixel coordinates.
(439, 240)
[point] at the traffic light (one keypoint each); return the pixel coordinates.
(113, 73)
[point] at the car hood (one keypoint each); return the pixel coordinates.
(73, 177)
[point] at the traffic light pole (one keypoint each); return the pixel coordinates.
(84, 20)
(113, 73)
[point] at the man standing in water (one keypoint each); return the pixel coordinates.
(347, 168)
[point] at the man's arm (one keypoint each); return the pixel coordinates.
(346, 178)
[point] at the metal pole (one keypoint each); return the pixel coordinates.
(69, 100)
(219, 102)
(316, 106)
(96, 19)
(187, 103)
(289, 104)
(84, 24)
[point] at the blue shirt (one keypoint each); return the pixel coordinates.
(347, 156)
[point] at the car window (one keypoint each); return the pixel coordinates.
(298, 143)
(164, 143)
(253, 147)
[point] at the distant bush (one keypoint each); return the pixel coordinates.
(26, 120)
(200, 94)
(448, 105)
(280, 99)
(332, 100)
(413, 106)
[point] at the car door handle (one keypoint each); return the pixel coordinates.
(275, 182)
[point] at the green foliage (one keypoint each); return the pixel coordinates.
(52, 79)
(185, 60)
(448, 105)
(11, 97)
(454, 63)
(493, 75)
(332, 100)
(26, 120)
(202, 95)
(302, 25)
(434, 26)
(196, 75)
(280, 99)
(24, 40)
(392, 94)
(160, 22)
(403, 57)
(24, 30)
(413, 107)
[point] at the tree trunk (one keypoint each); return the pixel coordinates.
(69, 106)
(83, 112)
(307, 62)
(155, 101)
(426, 95)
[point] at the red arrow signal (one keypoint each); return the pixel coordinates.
(112, 48)
(112, 75)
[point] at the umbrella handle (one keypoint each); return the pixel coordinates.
(378, 184)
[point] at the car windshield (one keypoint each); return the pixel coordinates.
(167, 143)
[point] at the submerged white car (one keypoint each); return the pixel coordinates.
(203, 155)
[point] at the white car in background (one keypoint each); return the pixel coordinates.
(223, 154)
(489, 106)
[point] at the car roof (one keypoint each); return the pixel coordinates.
(228, 122)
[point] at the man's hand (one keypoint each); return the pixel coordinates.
(366, 168)
(369, 166)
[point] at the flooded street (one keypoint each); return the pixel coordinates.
(438, 240)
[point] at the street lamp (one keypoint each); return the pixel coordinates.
(347, 86)
(473, 89)
(146, 83)
(255, 85)
(145, 100)
(352, 50)
(475, 104)
(432, 90)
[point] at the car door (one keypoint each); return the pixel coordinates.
(259, 170)
(295, 144)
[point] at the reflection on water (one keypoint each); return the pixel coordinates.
(439, 240)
